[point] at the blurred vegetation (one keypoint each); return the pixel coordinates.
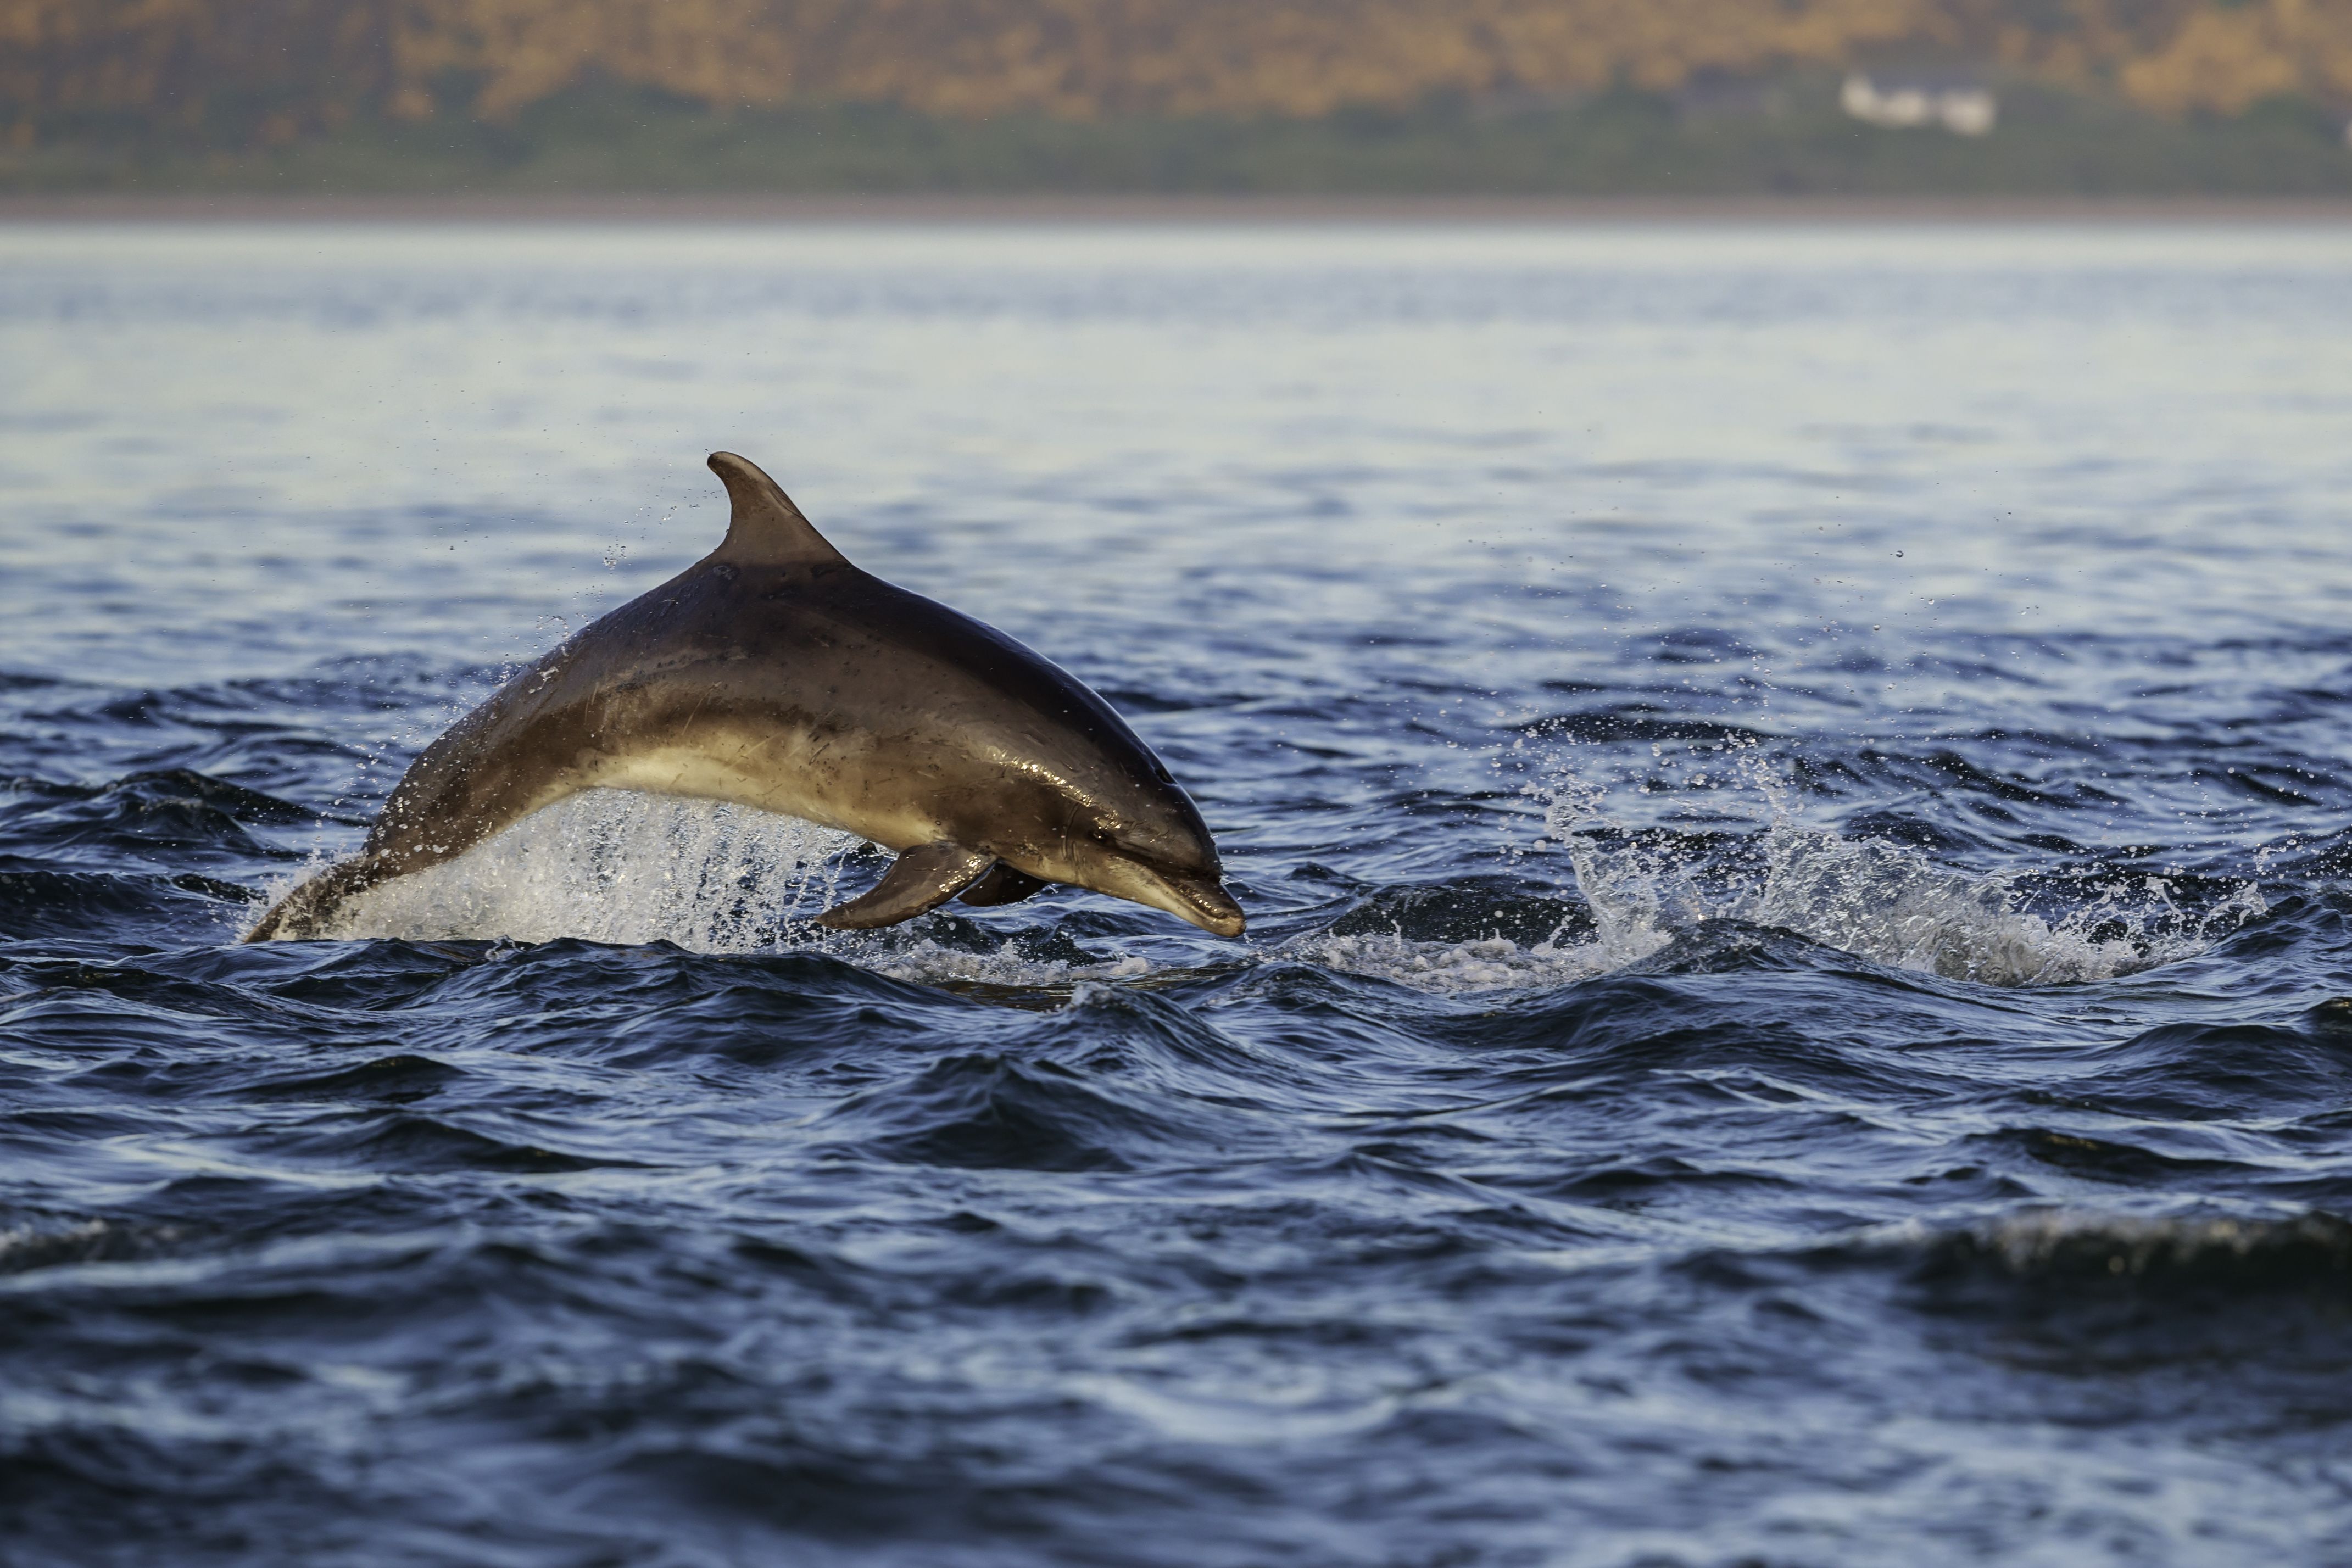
(1623, 141)
(1674, 97)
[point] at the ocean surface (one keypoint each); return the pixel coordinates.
(1792, 786)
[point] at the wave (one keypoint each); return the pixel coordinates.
(2071, 1249)
(2082, 1293)
(1640, 889)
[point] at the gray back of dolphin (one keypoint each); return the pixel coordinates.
(773, 674)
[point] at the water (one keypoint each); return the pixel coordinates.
(1788, 781)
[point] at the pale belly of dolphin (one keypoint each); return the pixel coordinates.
(786, 774)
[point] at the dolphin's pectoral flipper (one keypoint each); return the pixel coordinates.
(1004, 885)
(925, 877)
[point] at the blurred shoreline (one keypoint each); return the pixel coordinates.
(933, 208)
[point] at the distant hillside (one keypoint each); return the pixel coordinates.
(1179, 94)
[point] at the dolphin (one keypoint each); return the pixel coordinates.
(773, 674)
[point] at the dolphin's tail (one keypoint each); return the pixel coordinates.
(302, 912)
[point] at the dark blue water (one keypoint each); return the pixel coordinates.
(1790, 786)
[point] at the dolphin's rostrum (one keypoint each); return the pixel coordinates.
(776, 675)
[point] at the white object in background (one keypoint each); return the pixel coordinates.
(1964, 110)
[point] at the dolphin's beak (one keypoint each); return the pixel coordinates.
(1202, 900)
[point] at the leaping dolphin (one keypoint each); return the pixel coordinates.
(776, 675)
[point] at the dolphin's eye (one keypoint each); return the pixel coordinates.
(1160, 771)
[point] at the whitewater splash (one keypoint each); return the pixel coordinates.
(1879, 901)
(618, 866)
(625, 868)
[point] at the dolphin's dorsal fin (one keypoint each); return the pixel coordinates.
(766, 529)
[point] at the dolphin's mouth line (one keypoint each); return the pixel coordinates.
(1195, 895)
(1184, 881)
(1202, 891)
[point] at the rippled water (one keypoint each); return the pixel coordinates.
(1788, 783)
